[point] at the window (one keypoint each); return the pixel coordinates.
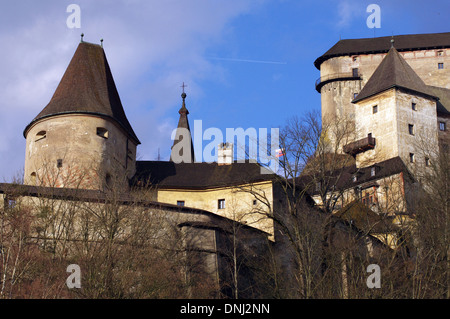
(108, 180)
(440, 66)
(255, 202)
(440, 53)
(180, 203)
(355, 58)
(427, 161)
(11, 203)
(59, 163)
(411, 129)
(414, 106)
(411, 157)
(41, 135)
(375, 109)
(354, 178)
(442, 126)
(355, 95)
(102, 132)
(372, 171)
(355, 72)
(369, 199)
(221, 204)
(33, 178)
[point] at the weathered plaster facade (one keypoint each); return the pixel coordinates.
(77, 150)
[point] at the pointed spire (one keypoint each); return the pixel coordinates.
(183, 148)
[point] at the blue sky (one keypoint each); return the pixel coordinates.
(246, 63)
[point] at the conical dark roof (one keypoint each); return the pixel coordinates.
(393, 71)
(87, 87)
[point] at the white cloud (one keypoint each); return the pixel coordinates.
(152, 47)
(348, 10)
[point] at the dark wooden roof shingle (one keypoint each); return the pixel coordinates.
(392, 72)
(87, 87)
(407, 42)
(167, 174)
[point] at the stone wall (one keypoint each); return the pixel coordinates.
(77, 151)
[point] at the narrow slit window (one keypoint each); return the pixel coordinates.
(102, 132)
(442, 126)
(427, 161)
(59, 163)
(221, 204)
(41, 135)
(411, 129)
(411, 157)
(414, 106)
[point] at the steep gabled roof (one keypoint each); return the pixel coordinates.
(87, 87)
(407, 42)
(392, 72)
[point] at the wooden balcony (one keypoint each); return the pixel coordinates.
(359, 146)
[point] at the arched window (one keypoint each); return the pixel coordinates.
(41, 135)
(33, 178)
(102, 132)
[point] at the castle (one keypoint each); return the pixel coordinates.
(395, 91)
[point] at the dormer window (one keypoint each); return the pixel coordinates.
(102, 132)
(41, 135)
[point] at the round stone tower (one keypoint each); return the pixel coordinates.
(82, 138)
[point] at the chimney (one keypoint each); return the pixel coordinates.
(225, 154)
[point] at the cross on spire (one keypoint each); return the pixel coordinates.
(183, 86)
